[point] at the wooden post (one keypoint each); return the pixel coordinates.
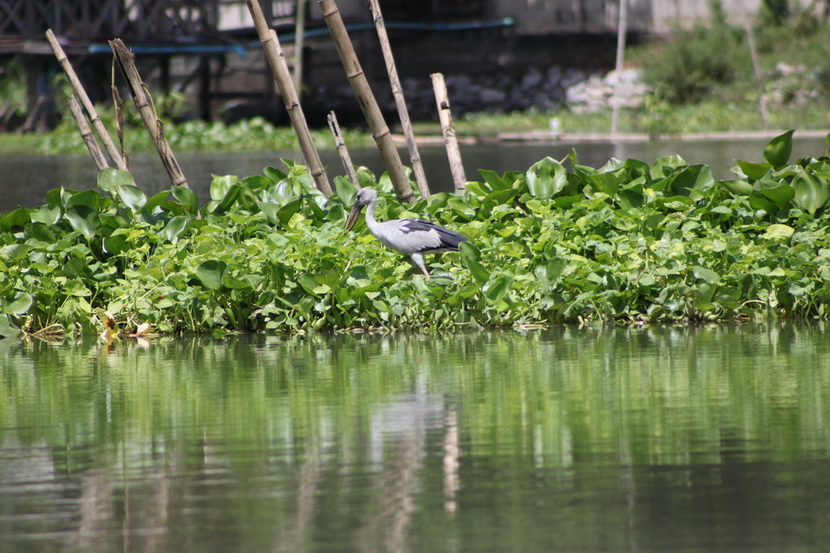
(86, 133)
(368, 103)
(143, 101)
(400, 101)
(345, 158)
(279, 68)
(109, 145)
(442, 101)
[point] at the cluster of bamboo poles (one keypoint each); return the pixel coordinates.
(79, 103)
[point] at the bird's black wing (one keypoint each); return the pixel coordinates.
(449, 239)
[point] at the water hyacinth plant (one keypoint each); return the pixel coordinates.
(629, 242)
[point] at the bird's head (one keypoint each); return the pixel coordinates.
(364, 197)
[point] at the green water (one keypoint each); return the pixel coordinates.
(577, 440)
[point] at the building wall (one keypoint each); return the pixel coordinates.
(599, 16)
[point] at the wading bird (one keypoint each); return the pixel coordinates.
(412, 237)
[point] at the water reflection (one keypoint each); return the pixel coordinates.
(662, 438)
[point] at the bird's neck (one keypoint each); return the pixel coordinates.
(371, 222)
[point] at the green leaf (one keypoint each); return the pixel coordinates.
(546, 178)
(40, 231)
(186, 197)
(211, 273)
(345, 190)
(20, 304)
(155, 200)
(174, 228)
(690, 179)
(227, 201)
(7, 329)
(15, 219)
(461, 208)
(737, 187)
(87, 198)
(273, 174)
(46, 214)
(754, 171)
(131, 196)
(493, 180)
(665, 166)
(811, 193)
(777, 152)
(115, 244)
(469, 259)
(777, 191)
(110, 178)
(15, 252)
(495, 291)
(707, 275)
(220, 186)
(779, 232)
(83, 219)
(286, 212)
(477, 188)
(555, 267)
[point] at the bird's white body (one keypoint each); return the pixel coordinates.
(412, 237)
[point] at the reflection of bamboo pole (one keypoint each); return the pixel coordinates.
(143, 101)
(341, 148)
(279, 68)
(459, 178)
(86, 133)
(400, 101)
(85, 101)
(368, 103)
(451, 454)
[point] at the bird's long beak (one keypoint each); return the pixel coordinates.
(353, 216)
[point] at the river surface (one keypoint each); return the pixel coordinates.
(26, 179)
(656, 439)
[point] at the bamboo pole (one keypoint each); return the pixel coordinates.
(109, 145)
(442, 101)
(86, 133)
(276, 59)
(621, 30)
(299, 43)
(345, 158)
(368, 103)
(143, 101)
(400, 101)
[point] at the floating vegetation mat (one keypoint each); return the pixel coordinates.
(627, 243)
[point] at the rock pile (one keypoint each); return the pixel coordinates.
(542, 89)
(599, 93)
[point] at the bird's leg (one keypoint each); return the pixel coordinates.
(418, 260)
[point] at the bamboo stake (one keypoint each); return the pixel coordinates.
(368, 103)
(345, 158)
(299, 43)
(442, 101)
(86, 133)
(109, 145)
(143, 101)
(400, 101)
(282, 77)
(621, 30)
